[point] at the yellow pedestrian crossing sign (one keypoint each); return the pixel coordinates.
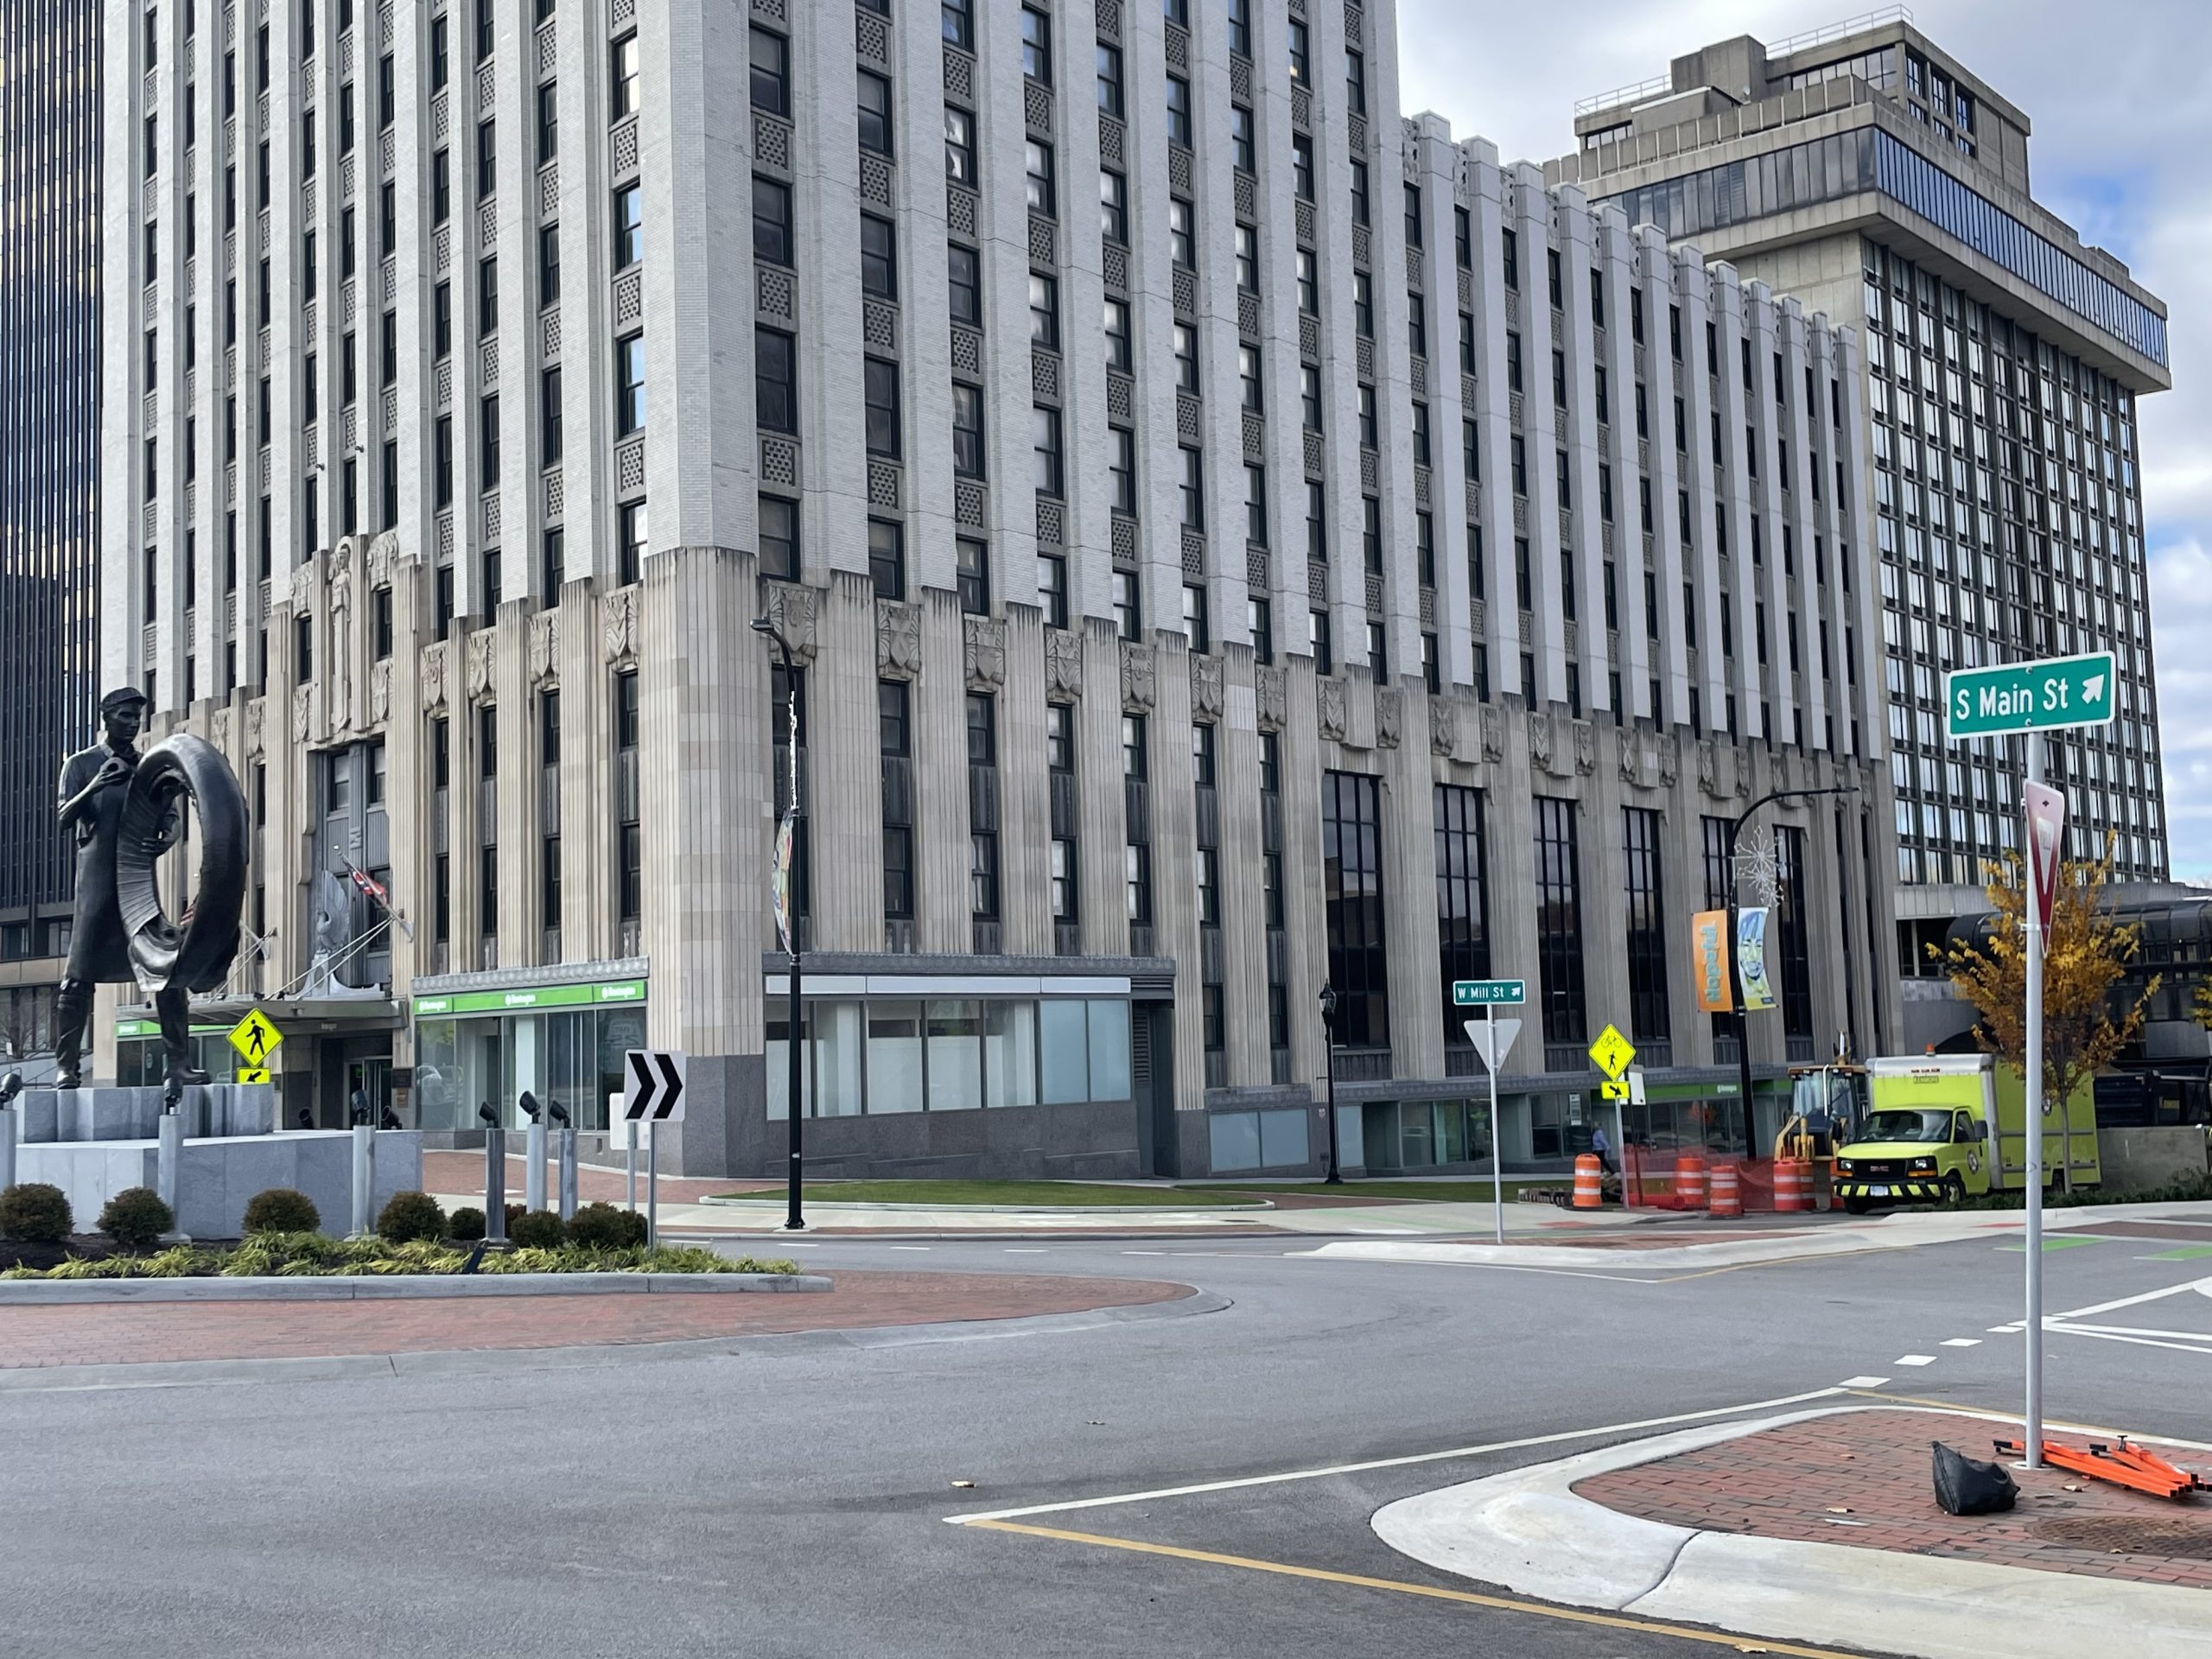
(1612, 1051)
(253, 1074)
(256, 1038)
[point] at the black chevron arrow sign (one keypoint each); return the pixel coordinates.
(653, 1085)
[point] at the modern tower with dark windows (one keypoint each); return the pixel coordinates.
(1230, 541)
(1874, 176)
(50, 267)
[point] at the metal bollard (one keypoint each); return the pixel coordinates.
(533, 1179)
(168, 1156)
(567, 1155)
(11, 1120)
(365, 1179)
(495, 1184)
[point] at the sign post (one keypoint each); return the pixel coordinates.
(653, 1094)
(2027, 698)
(1490, 995)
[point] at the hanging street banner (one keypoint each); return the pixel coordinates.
(2011, 697)
(2046, 808)
(1709, 938)
(780, 882)
(1751, 958)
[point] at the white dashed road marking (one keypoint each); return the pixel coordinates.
(1916, 1359)
(1962, 1342)
(1862, 1382)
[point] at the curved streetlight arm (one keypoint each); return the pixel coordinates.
(1735, 962)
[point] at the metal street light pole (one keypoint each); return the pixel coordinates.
(1335, 1177)
(794, 1051)
(1735, 964)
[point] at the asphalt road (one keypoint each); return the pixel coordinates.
(789, 1498)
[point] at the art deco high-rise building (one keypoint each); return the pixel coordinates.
(1232, 542)
(49, 475)
(1871, 173)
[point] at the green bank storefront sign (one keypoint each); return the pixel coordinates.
(524, 999)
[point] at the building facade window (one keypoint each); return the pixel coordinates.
(1462, 895)
(1351, 857)
(1559, 921)
(1641, 833)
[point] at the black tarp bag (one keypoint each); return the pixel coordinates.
(1967, 1485)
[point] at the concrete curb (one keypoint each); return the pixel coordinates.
(1529, 1531)
(776, 1201)
(477, 1362)
(368, 1288)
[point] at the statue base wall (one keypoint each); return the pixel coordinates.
(93, 1143)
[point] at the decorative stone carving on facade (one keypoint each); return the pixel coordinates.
(1708, 768)
(383, 551)
(1331, 709)
(302, 709)
(1539, 741)
(897, 641)
(1585, 747)
(255, 712)
(480, 663)
(986, 651)
(1272, 697)
(791, 610)
(619, 624)
(1137, 678)
(340, 681)
(1493, 733)
(1631, 755)
(219, 729)
(1784, 775)
(1063, 664)
(544, 646)
(433, 675)
(380, 692)
(1205, 688)
(1389, 716)
(1670, 760)
(1443, 726)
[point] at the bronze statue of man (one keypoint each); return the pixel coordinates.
(94, 784)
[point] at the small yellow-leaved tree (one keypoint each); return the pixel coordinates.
(2085, 954)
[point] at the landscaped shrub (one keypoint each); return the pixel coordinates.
(32, 1213)
(282, 1209)
(603, 1227)
(137, 1218)
(466, 1224)
(407, 1216)
(537, 1229)
(515, 1213)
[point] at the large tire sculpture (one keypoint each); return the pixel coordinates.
(197, 955)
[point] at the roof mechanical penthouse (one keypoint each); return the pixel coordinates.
(1232, 541)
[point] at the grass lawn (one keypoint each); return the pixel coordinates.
(1434, 1191)
(1024, 1195)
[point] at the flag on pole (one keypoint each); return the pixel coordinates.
(780, 882)
(2046, 827)
(1751, 958)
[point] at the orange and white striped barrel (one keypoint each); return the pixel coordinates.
(1728, 1191)
(1793, 1183)
(1589, 1182)
(1690, 1181)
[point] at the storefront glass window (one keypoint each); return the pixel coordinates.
(1010, 1053)
(894, 1058)
(1062, 1039)
(956, 1040)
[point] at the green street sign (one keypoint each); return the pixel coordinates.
(1489, 992)
(2029, 696)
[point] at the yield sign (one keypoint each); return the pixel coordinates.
(1483, 1032)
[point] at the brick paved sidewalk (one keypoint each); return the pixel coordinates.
(1790, 1482)
(461, 1175)
(138, 1333)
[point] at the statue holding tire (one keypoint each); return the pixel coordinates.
(126, 811)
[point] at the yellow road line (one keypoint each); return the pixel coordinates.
(1405, 1587)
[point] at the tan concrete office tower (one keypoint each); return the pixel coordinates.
(1871, 173)
(1233, 542)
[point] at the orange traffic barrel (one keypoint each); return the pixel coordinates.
(1793, 1183)
(1690, 1181)
(1728, 1191)
(1589, 1182)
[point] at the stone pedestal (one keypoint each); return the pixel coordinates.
(93, 1143)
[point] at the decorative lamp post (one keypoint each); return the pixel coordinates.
(794, 878)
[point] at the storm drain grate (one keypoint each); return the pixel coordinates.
(2189, 1539)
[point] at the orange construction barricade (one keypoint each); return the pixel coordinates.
(1589, 1182)
(1727, 1194)
(1793, 1183)
(1690, 1181)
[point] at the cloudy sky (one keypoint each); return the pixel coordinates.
(2122, 108)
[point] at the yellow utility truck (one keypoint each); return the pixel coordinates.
(1945, 1126)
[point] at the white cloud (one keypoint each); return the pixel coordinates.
(2121, 114)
